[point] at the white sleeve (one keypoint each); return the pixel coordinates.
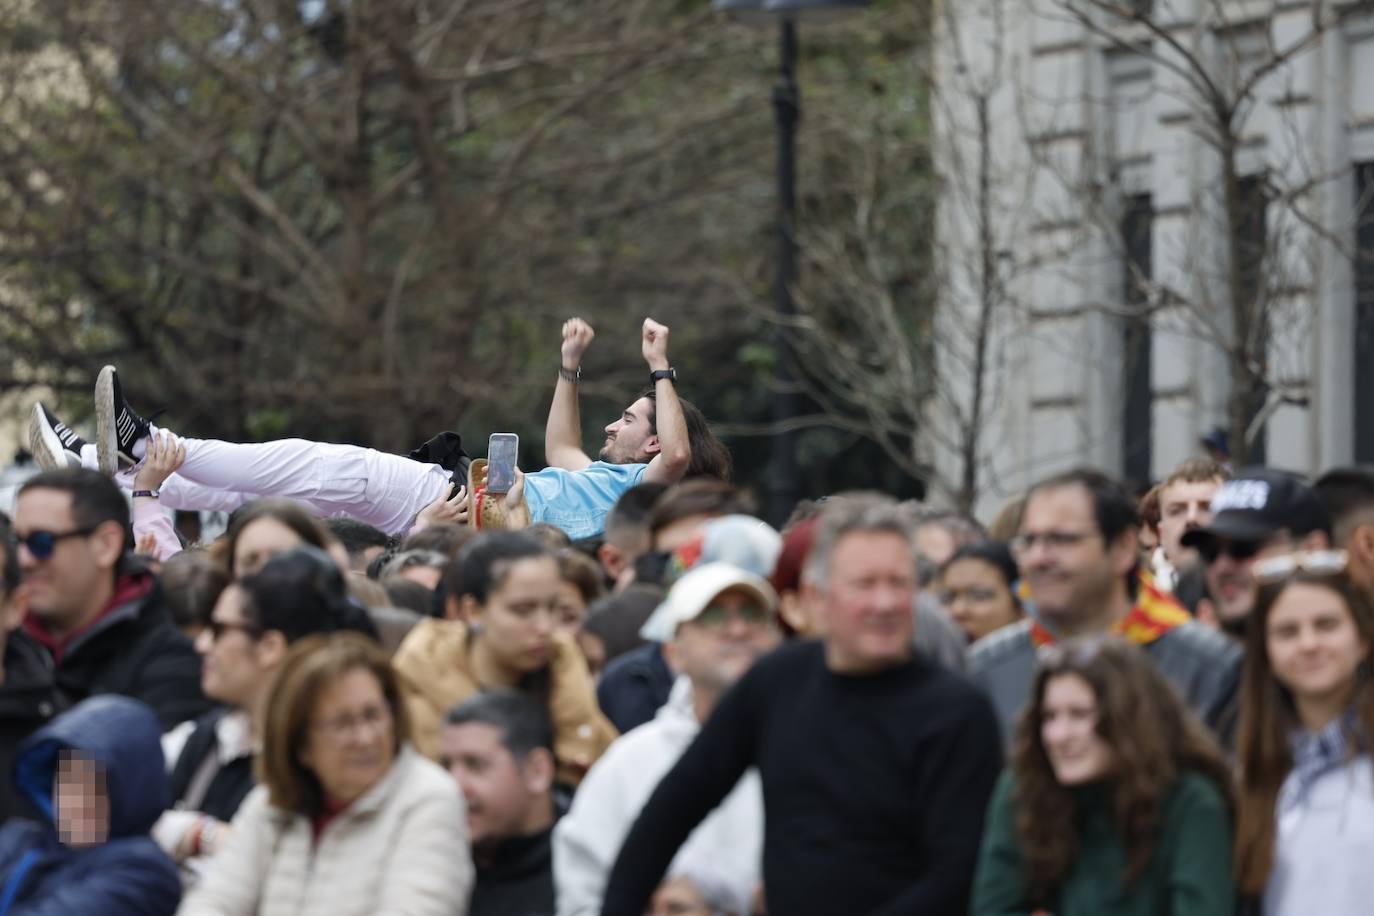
(588, 838)
(235, 876)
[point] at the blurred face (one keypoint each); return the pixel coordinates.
(81, 809)
(935, 544)
(260, 541)
(428, 576)
(1183, 506)
(976, 597)
(1068, 730)
(677, 897)
(1230, 583)
(71, 584)
(504, 799)
(733, 631)
(1314, 646)
(1072, 573)
(233, 669)
(570, 609)
(629, 439)
(867, 602)
(350, 743)
(518, 620)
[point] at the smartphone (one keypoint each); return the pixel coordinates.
(502, 449)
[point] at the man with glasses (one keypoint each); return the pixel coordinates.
(29, 697)
(1079, 553)
(715, 623)
(98, 613)
(1261, 513)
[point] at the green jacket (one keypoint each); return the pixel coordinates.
(1189, 873)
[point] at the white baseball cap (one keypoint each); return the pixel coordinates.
(694, 592)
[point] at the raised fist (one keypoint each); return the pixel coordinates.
(655, 344)
(577, 336)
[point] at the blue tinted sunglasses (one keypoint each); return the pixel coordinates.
(41, 544)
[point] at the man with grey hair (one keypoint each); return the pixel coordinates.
(876, 765)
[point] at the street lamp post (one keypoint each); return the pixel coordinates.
(785, 488)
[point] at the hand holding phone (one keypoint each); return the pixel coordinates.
(502, 450)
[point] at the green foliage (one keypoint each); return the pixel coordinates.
(370, 226)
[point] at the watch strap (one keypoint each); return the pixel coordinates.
(150, 494)
(571, 375)
(669, 374)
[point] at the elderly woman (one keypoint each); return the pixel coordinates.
(348, 820)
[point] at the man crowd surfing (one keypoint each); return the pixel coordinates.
(390, 689)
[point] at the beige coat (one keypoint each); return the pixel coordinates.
(435, 668)
(399, 850)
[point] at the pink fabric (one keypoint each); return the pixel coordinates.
(150, 519)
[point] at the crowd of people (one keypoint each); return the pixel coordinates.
(613, 690)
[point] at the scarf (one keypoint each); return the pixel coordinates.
(1155, 613)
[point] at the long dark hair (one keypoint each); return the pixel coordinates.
(710, 457)
(1155, 738)
(1268, 716)
(301, 592)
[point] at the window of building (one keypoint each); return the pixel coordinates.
(1137, 223)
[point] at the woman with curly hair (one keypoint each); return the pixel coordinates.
(1117, 801)
(1306, 814)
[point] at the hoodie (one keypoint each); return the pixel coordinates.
(127, 875)
(586, 841)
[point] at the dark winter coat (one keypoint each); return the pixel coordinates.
(29, 698)
(132, 649)
(128, 875)
(231, 783)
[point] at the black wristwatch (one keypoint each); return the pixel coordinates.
(572, 375)
(656, 374)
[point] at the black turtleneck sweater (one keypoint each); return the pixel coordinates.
(874, 788)
(514, 877)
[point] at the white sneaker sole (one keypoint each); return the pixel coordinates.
(106, 439)
(43, 442)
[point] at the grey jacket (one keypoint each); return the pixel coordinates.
(1201, 663)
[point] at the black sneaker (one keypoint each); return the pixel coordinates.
(117, 427)
(52, 442)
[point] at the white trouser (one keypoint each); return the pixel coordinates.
(332, 481)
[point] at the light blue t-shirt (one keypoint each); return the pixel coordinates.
(577, 501)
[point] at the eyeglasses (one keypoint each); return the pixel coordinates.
(338, 728)
(1053, 540)
(1318, 562)
(41, 544)
(1212, 548)
(717, 616)
(218, 628)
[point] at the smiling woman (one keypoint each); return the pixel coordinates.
(348, 819)
(1117, 800)
(1306, 824)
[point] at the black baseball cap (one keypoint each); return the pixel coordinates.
(1258, 502)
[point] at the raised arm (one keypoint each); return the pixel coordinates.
(675, 451)
(563, 431)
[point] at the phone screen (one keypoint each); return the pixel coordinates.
(501, 454)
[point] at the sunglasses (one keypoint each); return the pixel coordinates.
(1317, 562)
(41, 544)
(1212, 548)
